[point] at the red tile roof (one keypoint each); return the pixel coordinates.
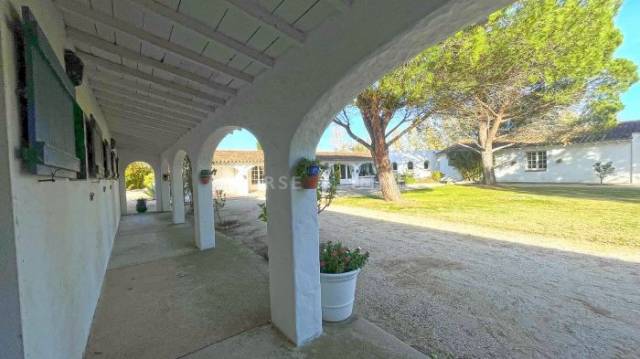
(256, 157)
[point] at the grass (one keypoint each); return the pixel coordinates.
(601, 214)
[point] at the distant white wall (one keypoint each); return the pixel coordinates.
(62, 232)
(450, 172)
(567, 164)
(233, 180)
(402, 158)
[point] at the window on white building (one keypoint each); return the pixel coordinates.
(394, 166)
(537, 161)
(366, 169)
(257, 175)
(410, 165)
(426, 165)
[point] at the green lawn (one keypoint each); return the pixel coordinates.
(603, 214)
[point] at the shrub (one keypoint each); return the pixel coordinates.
(335, 258)
(135, 174)
(468, 163)
(149, 183)
(603, 170)
(436, 176)
(408, 178)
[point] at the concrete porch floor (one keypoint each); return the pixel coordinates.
(162, 298)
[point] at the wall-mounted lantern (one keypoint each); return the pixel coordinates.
(165, 177)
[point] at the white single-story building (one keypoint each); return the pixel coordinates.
(420, 163)
(242, 172)
(568, 163)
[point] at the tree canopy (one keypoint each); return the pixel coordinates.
(526, 65)
(136, 174)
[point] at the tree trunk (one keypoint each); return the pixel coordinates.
(388, 184)
(488, 173)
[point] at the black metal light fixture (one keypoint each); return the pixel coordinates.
(74, 67)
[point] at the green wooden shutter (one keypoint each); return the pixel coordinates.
(50, 106)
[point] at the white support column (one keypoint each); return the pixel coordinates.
(157, 172)
(294, 266)
(203, 211)
(166, 192)
(178, 195)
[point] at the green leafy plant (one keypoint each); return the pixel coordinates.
(324, 194)
(263, 212)
(437, 176)
(219, 202)
(408, 178)
(467, 162)
(336, 258)
(136, 174)
(302, 168)
(149, 183)
(603, 170)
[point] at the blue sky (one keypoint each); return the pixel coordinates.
(628, 20)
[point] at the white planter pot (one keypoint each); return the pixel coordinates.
(338, 293)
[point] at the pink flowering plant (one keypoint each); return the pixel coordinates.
(336, 258)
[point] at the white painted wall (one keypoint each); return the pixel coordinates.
(233, 179)
(450, 173)
(62, 237)
(567, 164)
(402, 158)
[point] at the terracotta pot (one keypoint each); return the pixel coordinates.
(310, 182)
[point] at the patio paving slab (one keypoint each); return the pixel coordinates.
(356, 338)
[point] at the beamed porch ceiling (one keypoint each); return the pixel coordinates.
(159, 67)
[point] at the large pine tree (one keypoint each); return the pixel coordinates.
(524, 66)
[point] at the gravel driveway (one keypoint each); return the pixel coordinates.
(444, 292)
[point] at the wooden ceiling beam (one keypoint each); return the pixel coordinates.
(124, 70)
(206, 31)
(79, 8)
(253, 9)
(106, 79)
(104, 45)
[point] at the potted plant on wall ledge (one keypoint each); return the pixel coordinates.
(205, 176)
(308, 172)
(339, 269)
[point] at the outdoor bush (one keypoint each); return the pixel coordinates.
(468, 163)
(336, 258)
(408, 178)
(149, 183)
(603, 170)
(135, 174)
(436, 176)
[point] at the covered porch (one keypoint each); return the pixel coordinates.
(164, 298)
(164, 81)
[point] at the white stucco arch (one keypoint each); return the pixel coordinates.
(288, 108)
(203, 201)
(125, 159)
